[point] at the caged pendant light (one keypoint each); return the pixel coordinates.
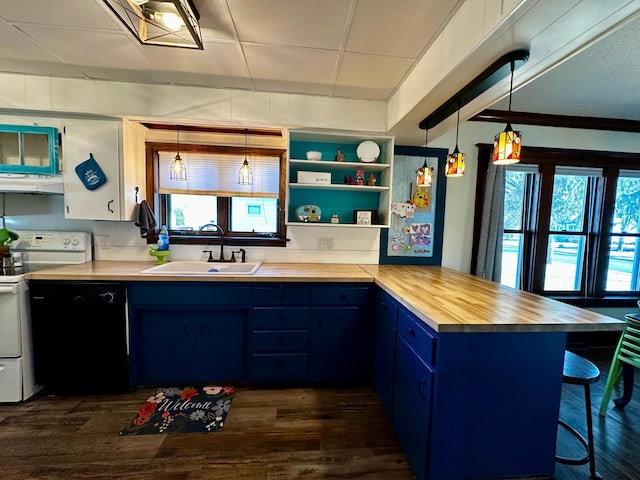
(423, 174)
(177, 169)
(166, 23)
(507, 144)
(455, 160)
(245, 174)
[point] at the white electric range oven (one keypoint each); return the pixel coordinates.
(34, 250)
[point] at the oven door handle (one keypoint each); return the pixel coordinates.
(11, 289)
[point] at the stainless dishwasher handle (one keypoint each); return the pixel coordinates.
(11, 289)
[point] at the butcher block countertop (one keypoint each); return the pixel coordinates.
(446, 300)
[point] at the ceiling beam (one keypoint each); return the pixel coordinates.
(558, 121)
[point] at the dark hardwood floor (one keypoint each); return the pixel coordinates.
(269, 434)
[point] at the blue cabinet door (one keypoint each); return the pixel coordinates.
(219, 339)
(164, 347)
(412, 406)
(385, 349)
(341, 344)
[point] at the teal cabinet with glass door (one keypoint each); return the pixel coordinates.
(29, 149)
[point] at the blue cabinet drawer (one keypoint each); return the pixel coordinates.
(265, 318)
(417, 335)
(275, 342)
(280, 295)
(188, 293)
(340, 295)
(387, 308)
(278, 367)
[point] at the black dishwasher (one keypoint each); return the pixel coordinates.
(79, 336)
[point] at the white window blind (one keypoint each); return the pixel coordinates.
(217, 174)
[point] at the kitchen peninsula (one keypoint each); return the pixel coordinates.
(469, 371)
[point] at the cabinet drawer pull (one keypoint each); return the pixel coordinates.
(281, 316)
(422, 395)
(280, 340)
(343, 296)
(109, 206)
(384, 306)
(411, 333)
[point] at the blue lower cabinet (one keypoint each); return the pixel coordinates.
(198, 346)
(341, 344)
(384, 349)
(412, 406)
(278, 367)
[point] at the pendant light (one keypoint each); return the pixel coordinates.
(455, 160)
(177, 170)
(507, 144)
(423, 174)
(245, 174)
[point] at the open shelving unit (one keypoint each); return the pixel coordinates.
(339, 197)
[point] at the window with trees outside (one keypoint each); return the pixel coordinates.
(247, 214)
(571, 227)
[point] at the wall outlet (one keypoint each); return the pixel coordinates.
(103, 241)
(324, 243)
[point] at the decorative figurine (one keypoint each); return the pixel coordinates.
(371, 181)
(350, 181)
(359, 177)
(339, 156)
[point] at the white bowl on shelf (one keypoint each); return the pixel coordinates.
(314, 155)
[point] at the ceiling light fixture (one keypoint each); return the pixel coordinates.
(507, 144)
(245, 174)
(177, 169)
(455, 160)
(168, 23)
(423, 174)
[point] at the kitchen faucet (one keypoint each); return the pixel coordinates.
(221, 232)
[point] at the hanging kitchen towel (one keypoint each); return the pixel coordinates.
(146, 219)
(91, 174)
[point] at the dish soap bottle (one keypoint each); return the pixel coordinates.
(163, 239)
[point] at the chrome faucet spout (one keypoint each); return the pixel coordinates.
(221, 232)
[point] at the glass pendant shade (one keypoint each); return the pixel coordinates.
(245, 174)
(506, 146)
(423, 175)
(455, 164)
(455, 160)
(168, 23)
(177, 170)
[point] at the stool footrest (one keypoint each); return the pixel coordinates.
(578, 435)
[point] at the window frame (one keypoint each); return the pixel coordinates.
(159, 205)
(599, 231)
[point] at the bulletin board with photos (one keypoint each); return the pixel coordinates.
(417, 207)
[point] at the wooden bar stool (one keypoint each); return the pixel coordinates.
(580, 371)
(625, 359)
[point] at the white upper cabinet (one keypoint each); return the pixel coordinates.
(103, 163)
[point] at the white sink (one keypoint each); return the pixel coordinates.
(190, 267)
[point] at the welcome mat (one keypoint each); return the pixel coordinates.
(182, 410)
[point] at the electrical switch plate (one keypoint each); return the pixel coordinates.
(324, 243)
(103, 241)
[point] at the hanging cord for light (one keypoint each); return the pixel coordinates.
(507, 144)
(177, 169)
(455, 160)
(423, 174)
(245, 174)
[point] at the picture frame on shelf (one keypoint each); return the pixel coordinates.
(365, 217)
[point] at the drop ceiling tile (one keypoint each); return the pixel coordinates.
(91, 48)
(215, 21)
(297, 70)
(215, 59)
(70, 13)
(370, 76)
(306, 23)
(123, 75)
(15, 44)
(380, 28)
